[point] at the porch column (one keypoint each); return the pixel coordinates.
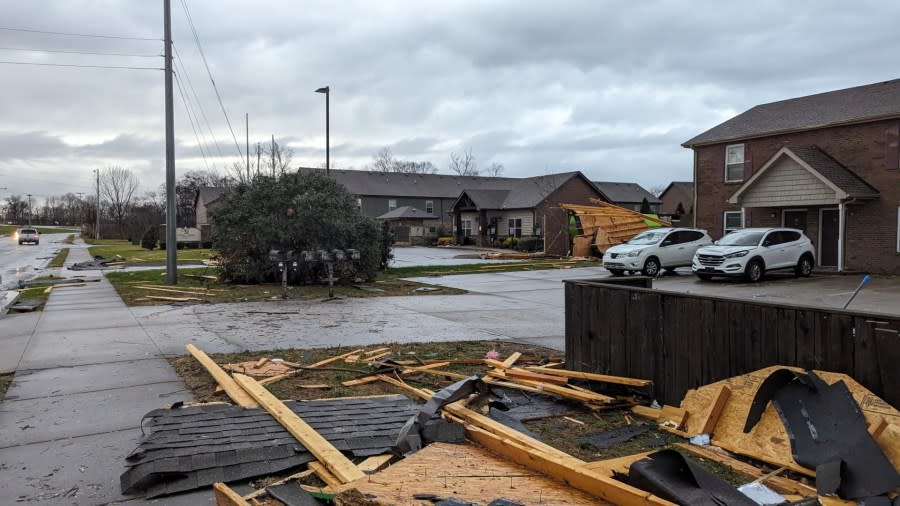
(841, 225)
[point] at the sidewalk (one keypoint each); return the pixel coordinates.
(87, 375)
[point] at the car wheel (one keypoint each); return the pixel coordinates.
(804, 266)
(704, 277)
(755, 271)
(651, 267)
(616, 272)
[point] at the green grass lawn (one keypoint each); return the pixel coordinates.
(60, 258)
(108, 248)
(9, 229)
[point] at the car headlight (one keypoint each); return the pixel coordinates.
(633, 253)
(737, 254)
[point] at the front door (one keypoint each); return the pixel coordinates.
(828, 238)
(794, 218)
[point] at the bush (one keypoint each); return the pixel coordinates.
(301, 212)
(150, 238)
(510, 242)
(531, 244)
(384, 246)
(444, 241)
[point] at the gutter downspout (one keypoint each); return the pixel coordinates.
(842, 225)
(694, 212)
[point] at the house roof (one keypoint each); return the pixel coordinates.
(828, 170)
(519, 193)
(488, 199)
(851, 105)
(406, 213)
(631, 193)
(210, 193)
(685, 186)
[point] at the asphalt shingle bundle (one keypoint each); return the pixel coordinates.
(193, 447)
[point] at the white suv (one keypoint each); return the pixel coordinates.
(653, 250)
(750, 252)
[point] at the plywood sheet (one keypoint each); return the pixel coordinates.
(466, 472)
(768, 441)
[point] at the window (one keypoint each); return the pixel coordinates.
(734, 163)
(392, 204)
(733, 220)
(359, 204)
(515, 227)
(429, 206)
(466, 228)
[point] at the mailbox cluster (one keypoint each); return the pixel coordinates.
(288, 258)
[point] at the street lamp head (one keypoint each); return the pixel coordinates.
(323, 89)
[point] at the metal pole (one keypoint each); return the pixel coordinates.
(327, 132)
(171, 246)
(247, 130)
(29, 209)
(97, 228)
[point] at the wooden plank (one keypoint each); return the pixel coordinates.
(409, 371)
(235, 392)
(375, 358)
(672, 417)
(325, 475)
(274, 379)
(561, 391)
(420, 393)
(877, 427)
(711, 416)
(173, 299)
(170, 290)
(374, 463)
(780, 484)
(327, 454)
(376, 351)
(227, 497)
(646, 411)
(510, 360)
(602, 378)
(515, 372)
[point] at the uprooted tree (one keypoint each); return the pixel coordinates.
(306, 211)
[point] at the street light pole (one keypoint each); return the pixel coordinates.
(327, 91)
(171, 244)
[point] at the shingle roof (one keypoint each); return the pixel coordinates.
(834, 171)
(869, 102)
(519, 193)
(488, 199)
(210, 193)
(631, 193)
(685, 186)
(407, 212)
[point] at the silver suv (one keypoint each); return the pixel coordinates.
(750, 252)
(28, 235)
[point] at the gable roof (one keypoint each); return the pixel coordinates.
(626, 192)
(406, 212)
(685, 186)
(209, 194)
(487, 199)
(839, 178)
(520, 193)
(851, 105)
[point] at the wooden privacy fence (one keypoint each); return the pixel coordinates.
(682, 341)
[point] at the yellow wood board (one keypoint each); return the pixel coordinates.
(227, 497)
(768, 441)
(237, 394)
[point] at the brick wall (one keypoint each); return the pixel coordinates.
(867, 149)
(548, 212)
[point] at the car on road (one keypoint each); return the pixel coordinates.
(751, 252)
(656, 249)
(28, 235)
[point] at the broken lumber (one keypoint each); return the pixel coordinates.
(375, 351)
(375, 358)
(569, 393)
(646, 411)
(602, 378)
(173, 299)
(374, 463)
(328, 455)
(273, 379)
(237, 394)
(672, 417)
(511, 360)
(517, 373)
(262, 491)
(325, 475)
(170, 290)
(406, 372)
(227, 497)
(711, 417)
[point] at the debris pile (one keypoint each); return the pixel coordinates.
(604, 225)
(803, 437)
(98, 263)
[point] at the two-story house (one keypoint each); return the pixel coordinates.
(828, 164)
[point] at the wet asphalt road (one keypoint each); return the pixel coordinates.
(23, 262)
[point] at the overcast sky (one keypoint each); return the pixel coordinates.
(608, 88)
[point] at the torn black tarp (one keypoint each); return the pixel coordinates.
(828, 433)
(671, 476)
(410, 439)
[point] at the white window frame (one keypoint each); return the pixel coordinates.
(514, 227)
(465, 227)
(727, 165)
(359, 203)
(392, 204)
(725, 228)
(429, 206)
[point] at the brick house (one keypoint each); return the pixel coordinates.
(827, 164)
(519, 207)
(678, 193)
(628, 195)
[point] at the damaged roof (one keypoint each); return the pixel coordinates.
(851, 105)
(407, 213)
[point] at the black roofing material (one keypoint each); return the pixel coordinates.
(828, 433)
(609, 438)
(193, 447)
(410, 438)
(291, 494)
(669, 475)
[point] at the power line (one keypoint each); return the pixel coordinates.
(70, 34)
(81, 66)
(209, 73)
(79, 52)
(179, 60)
(191, 119)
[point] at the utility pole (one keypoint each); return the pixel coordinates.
(273, 155)
(257, 158)
(97, 226)
(29, 209)
(247, 130)
(171, 245)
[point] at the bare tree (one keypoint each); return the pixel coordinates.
(463, 164)
(657, 189)
(275, 159)
(384, 161)
(16, 209)
(117, 187)
(495, 169)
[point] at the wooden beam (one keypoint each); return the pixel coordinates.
(646, 411)
(420, 393)
(711, 417)
(603, 378)
(376, 351)
(289, 374)
(408, 371)
(517, 373)
(878, 427)
(375, 358)
(561, 391)
(325, 475)
(173, 299)
(672, 417)
(511, 360)
(227, 497)
(374, 463)
(237, 394)
(334, 460)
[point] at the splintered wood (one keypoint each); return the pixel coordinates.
(468, 473)
(604, 225)
(768, 441)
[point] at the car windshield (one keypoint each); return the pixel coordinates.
(29, 231)
(645, 238)
(741, 238)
